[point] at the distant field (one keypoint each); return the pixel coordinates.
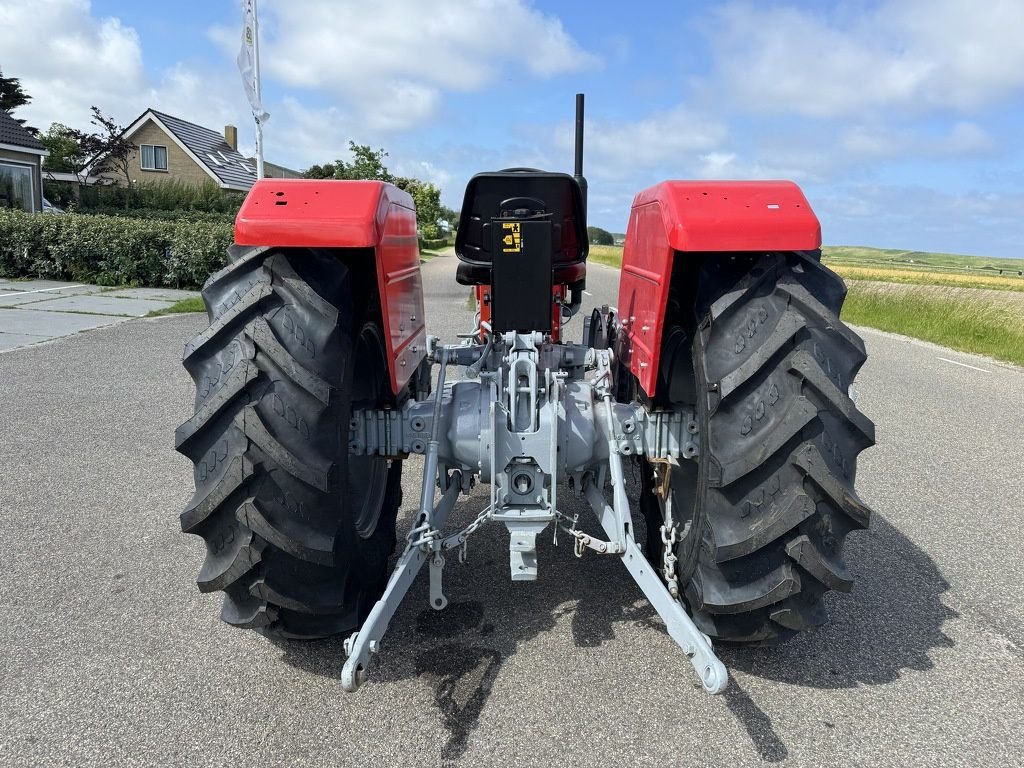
(896, 259)
(969, 303)
(972, 279)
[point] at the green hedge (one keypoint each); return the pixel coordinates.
(153, 213)
(111, 250)
(160, 196)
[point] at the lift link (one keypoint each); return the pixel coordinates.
(366, 640)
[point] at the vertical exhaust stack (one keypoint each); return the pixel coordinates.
(578, 172)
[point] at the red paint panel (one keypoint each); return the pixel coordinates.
(643, 291)
(705, 217)
(734, 215)
(401, 287)
(305, 213)
(302, 213)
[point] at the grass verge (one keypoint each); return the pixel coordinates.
(609, 255)
(985, 322)
(193, 304)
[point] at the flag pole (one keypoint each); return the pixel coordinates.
(256, 62)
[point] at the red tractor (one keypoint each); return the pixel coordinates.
(724, 375)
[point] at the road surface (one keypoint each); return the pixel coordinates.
(110, 656)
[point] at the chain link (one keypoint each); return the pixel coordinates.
(425, 536)
(669, 539)
(461, 538)
(670, 535)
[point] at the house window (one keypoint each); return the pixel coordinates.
(17, 189)
(153, 157)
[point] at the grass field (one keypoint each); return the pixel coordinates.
(969, 303)
(986, 322)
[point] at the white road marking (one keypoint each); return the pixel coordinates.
(43, 290)
(587, 293)
(965, 365)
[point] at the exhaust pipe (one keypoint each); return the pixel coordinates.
(578, 172)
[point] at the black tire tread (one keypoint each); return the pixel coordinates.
(780, 437)
(269, 442)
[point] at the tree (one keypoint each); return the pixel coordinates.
(598, 236)
(368, 163)
(109, 146)
(66, 154)
(428, 204)
(12, 96)
(449, 215)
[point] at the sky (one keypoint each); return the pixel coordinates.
(900, 119)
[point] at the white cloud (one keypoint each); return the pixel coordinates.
(313, 135)
(210, 99)
(909, 56)
(68, 60)
(673, 139)
(393, 61)
(882, 141)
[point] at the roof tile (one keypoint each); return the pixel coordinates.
(11, 132)
(230, 166)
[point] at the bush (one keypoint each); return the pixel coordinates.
(162, 196)
(432, 245)
(60, 193)
(600, 236)
(110, 250)
(158, 215)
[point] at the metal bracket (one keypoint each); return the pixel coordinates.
(523, 528)
(665, 476)
(437, 599)
(583, 542)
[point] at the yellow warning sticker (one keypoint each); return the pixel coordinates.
(512, 242)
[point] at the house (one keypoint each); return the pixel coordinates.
(21, 159)
(171, 149)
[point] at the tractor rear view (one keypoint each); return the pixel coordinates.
(723, 374)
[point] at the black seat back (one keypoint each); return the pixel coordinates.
(524, 194)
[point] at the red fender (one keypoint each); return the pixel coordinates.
(301, 213)
(698, 217)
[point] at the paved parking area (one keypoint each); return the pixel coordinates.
(32, 311)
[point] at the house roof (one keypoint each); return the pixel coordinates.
(13, 134)
(275, 171)
(206, 147)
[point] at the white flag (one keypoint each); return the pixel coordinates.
(247, 61)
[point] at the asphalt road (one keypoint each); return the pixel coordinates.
(110, 656)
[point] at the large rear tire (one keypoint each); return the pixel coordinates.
(297, 532)
(767, 365)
